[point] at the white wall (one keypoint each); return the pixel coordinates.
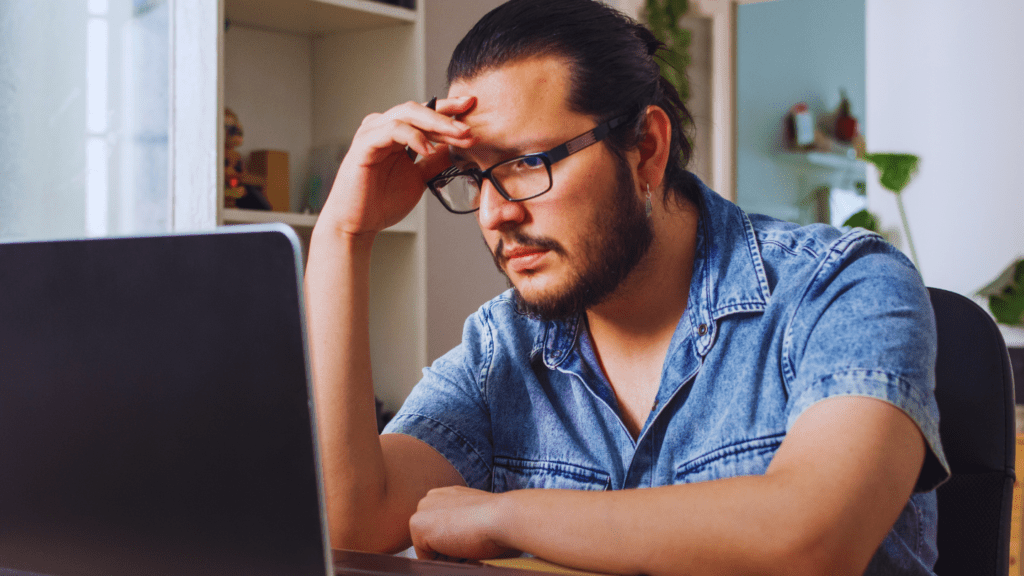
(460, 273)
(945, 81)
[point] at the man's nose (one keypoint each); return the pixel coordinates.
(495, 211)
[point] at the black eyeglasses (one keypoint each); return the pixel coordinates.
(517, 179)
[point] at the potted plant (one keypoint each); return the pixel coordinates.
(663, 20)
(1005, 297)
(895, 171)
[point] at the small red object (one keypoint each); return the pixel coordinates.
(846, 128)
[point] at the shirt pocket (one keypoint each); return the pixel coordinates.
(516, 473)
(744, 458)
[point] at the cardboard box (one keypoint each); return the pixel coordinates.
(273, 166)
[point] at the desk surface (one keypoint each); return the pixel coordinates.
(347, 562)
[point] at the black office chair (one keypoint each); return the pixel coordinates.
(974, 390)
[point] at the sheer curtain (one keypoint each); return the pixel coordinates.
(84, 117)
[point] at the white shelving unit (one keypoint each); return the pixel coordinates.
(303, 223)
(319, 17)
(301, 75)
(827, 183)
(837, 169)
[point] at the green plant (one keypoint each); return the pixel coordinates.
(1006, 295)
(663, 20)
(895, 171)
(863, 219)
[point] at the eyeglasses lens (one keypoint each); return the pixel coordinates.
(460, 193)
(523, 177)
(519, 178)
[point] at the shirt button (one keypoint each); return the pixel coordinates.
(702, 329)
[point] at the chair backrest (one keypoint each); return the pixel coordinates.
(974, 390)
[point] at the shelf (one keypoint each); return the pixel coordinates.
(243, 216)
(316, 17)
(827, 160)
(302, 222)
(302, 75)
(829, 169)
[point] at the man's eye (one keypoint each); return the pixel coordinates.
(529, 163)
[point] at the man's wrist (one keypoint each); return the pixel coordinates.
(340, 239)
(505, 513)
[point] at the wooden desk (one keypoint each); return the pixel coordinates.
(347, 562)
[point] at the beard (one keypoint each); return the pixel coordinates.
(620, 239)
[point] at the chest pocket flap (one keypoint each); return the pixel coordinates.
(746, 458)
(515, 474)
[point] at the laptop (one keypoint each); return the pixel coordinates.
(156, 415)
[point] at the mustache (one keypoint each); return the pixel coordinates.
(526, 241)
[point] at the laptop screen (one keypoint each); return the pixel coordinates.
(155, 415)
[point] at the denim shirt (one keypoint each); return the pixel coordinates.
(778, 318)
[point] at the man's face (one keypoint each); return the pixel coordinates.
(567, 250)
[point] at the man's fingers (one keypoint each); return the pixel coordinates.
(432, 164)
(424, 553)
(385, 135)
(383, 132)
(423, 118)
(417, 141)
(455, 106)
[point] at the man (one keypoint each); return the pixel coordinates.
(700, 391)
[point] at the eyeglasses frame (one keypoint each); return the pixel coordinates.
(556, 154)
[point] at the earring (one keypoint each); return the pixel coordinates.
(647, 205)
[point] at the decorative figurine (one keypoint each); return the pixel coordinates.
(241, 189)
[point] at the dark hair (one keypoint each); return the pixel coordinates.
(612, 67)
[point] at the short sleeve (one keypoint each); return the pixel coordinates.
(865, 327)
(447, 408)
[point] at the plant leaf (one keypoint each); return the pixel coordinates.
(681, 40)
(895, 169)
(663, 20)
(1009, 311)
(863, 219)
(1008, 307)
(678, 7)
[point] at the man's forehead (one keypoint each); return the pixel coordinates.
(519, 102)
(529, 73)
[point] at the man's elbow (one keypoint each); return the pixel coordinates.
(375, 534)
(813, 553)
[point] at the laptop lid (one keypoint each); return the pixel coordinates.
(155, 410)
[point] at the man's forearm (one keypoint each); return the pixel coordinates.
(731, 526)
(371, 488)
(337, 295)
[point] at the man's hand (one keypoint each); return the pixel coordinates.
(458, 522)
(378, 184)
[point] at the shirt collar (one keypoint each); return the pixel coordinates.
(728, 278)
(728, 272)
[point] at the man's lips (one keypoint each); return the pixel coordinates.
(520, 253)
(523, 258)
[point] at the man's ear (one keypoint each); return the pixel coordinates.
(654, 147)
